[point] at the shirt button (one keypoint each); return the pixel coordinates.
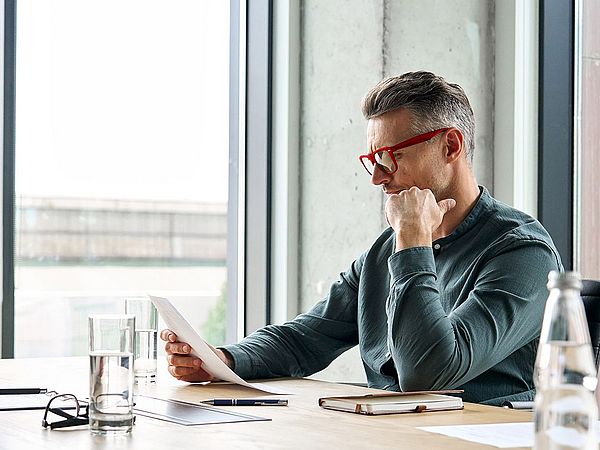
(388, 354)
(437, 246)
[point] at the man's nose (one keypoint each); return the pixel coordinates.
(379, 176)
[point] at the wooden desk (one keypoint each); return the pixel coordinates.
(301, 425)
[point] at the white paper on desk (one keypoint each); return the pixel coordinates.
(186, 333)
(501, 435)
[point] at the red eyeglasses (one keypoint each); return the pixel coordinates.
(384, 156)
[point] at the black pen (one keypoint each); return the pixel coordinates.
(246, 402)
(19, 391)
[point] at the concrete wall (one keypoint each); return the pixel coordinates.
(347, 47)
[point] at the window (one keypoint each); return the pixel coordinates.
(121, 164)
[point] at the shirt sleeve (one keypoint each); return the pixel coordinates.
(308, 343)
(433, 349)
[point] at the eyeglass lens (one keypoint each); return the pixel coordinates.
(384, 159)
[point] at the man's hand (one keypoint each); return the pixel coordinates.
(182, 365)
(415, 215)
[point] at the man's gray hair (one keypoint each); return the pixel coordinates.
(433, 102)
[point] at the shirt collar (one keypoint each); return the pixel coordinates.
(482, 206)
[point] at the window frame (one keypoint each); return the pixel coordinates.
(257, 117)
(7, 323)
(556, 124)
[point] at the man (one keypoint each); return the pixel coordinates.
(450, 296)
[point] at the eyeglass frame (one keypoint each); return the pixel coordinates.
(418, 139)
(70, 420)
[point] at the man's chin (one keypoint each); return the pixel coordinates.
(389, 192)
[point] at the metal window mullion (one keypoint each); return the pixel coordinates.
(285, 160)
(236, 183)
(258, 153)
(8, 182)
(556, 119)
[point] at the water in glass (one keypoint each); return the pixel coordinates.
(110, 395)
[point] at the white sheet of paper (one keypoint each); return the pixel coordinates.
(501, 435)
(186, 333)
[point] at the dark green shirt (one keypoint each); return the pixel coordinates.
(464, 314)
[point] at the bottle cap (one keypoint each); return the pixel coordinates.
(564, 280)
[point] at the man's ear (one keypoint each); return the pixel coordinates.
(454, 144)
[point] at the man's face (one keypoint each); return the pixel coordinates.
(421, 165)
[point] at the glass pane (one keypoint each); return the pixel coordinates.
(589, 209)
(121, 164)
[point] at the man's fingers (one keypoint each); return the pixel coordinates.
(183, 361)
(196, 376)
(182, 372)
(168, 335)
(179, 348)
(447, 204)
(182, 366)
(178, 371)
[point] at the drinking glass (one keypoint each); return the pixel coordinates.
(111, 344)
(146, 330)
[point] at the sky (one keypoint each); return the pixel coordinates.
(123, 99)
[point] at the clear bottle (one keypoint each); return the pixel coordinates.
(565, 374)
